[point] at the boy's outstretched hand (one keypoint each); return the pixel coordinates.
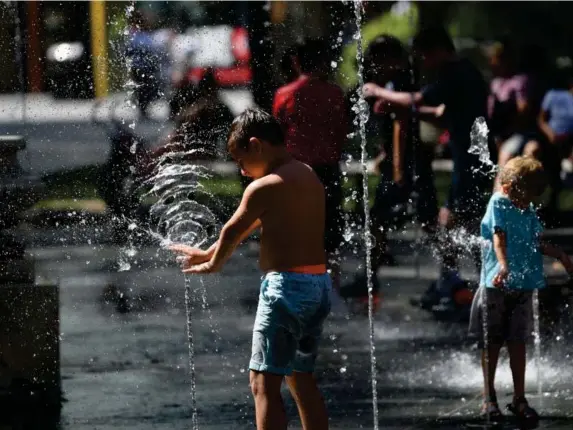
(501, 277)
(191, 256)
(371, 90)
(207, 267)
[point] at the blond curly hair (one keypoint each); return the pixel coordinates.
(525, 175)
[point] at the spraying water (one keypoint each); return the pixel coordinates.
(537, 343)
(188, 308)
(479, 145)
(485, 349)
(361, 108)
(178, 217)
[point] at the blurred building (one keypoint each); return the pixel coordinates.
(56, 38)
(28, 30)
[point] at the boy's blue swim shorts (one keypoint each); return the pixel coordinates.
(288, 326)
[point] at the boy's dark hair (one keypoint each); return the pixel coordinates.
(313, 55)
(257, 123)
(384, 47)
(380, 50)
(432, 38)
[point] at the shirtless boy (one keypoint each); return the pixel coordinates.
(286, 201)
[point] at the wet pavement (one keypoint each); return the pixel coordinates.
(125, 358)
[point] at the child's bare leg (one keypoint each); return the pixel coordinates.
(489, 366)
(309, 401)
(517, 362)
(269, 407)
(334, 268)
(380, 252)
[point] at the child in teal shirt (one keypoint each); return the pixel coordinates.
(512, 268)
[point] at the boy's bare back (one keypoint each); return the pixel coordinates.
(293, 220)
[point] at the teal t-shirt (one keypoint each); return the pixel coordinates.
(522, 229)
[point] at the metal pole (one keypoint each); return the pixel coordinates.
(99, 47)
(33, 46)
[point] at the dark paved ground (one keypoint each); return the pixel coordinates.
(129, 370)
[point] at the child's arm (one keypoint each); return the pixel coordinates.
(194, 256)
(432, 114)
(543, 118)
(391, 97)
(242, 223)
(499, 246)
(543, 123)
(557, 253)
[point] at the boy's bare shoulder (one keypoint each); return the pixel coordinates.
(262, 187)
(294, 171)
(296, 168)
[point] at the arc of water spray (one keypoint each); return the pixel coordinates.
(362, 110)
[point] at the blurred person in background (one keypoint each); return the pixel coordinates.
(404, 163)
(289, 67)
(216, 115)
(200, 133)
(460, 86)
(311, 110)
(556, 119)
(146, 58)
(512, 106)
(205, 91)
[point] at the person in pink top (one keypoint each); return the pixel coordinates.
(511, 108)
(312, 112)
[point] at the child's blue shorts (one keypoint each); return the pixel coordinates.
(288, 326)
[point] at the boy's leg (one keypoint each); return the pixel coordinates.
(388, 195)
(269, 407)
(489, 366)
(519, 332)
(309, 401)
(273, 351)
(302, 383)
(492, 341)
(517, 362)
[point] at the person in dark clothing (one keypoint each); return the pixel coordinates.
(289, 67)
(404, 164)
(461, 88)
(145, 62)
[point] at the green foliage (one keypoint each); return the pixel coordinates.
(116, 26)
